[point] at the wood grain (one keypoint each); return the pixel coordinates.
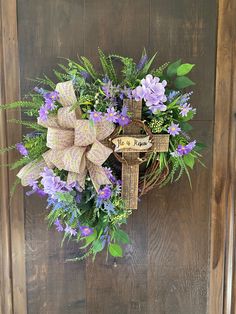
(223, 180)
(119, 286)
(49, 30)
(12, 213)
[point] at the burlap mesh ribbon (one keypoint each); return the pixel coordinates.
(74, 144)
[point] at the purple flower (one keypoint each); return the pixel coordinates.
(185, 149)
(126, 92)
(109, 207)
(184, 98)
(109, 89)
(123, 120)
(52, 96)
(49, 104)
(153, 92)
(85, 75)
(142, 62)
(40, 90)
(21, 149)
(111, 115)
(85, 231)
(172, 95)
(185, 109)
(105, 193)
(110, 175)
(191, 145)
(173, 129)
(51, 183)
(43, 113)
(70, 230)
(58, 225)
(96, 116)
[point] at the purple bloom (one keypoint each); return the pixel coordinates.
(105, 193)
(153, 92)
(173, 129)
(172, 95)
(111, 114)
(40, 90)
(49, 104)
(109, 207)
(51, 183)
(51, 96)
(123, 120)
(85, 231)
(185, 109)
(41, 192)
(85, 75)
(191, 145)
(184, 98)
(126, 92)
(185, 149)
(70, 230)
(109, 174)
(21, 149)
(96, 116)
(142, 62)
(109, 89)
(43, 113)
(58, 225)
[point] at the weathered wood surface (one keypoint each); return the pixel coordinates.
(12, 259)
(223, 229)
(165, 268)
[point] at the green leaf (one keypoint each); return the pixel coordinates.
(90, 239)
(183, 82)
(115, 250)
(189, 160)
(186, 127)
(184, 69)
(97, 246)
(172, 68)
(199, 147)
(121, 236)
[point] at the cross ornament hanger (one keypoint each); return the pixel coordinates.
(130, 144)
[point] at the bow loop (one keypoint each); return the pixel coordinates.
(74, 143)
(66, 93)
(98, 153)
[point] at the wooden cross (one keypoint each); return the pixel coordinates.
(131, 156)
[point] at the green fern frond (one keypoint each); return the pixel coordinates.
(28, 124)
(18, 104)
(19, 163)
(7, 149)
(107, 66)
(89, 68)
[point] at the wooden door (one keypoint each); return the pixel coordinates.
(179, 261)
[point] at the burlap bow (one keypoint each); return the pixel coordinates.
(74, 143)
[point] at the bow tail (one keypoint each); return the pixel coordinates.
(79, 177)
(98, 175)
(31, 171)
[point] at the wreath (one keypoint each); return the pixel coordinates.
(102, 140)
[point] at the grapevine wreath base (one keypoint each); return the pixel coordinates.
(99, 141)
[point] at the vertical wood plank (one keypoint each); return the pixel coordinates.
(178, 217)
(49, 31)
(119, 286)
(222, 218)
(12, 213)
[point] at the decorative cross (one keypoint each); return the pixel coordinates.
(131, 144)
